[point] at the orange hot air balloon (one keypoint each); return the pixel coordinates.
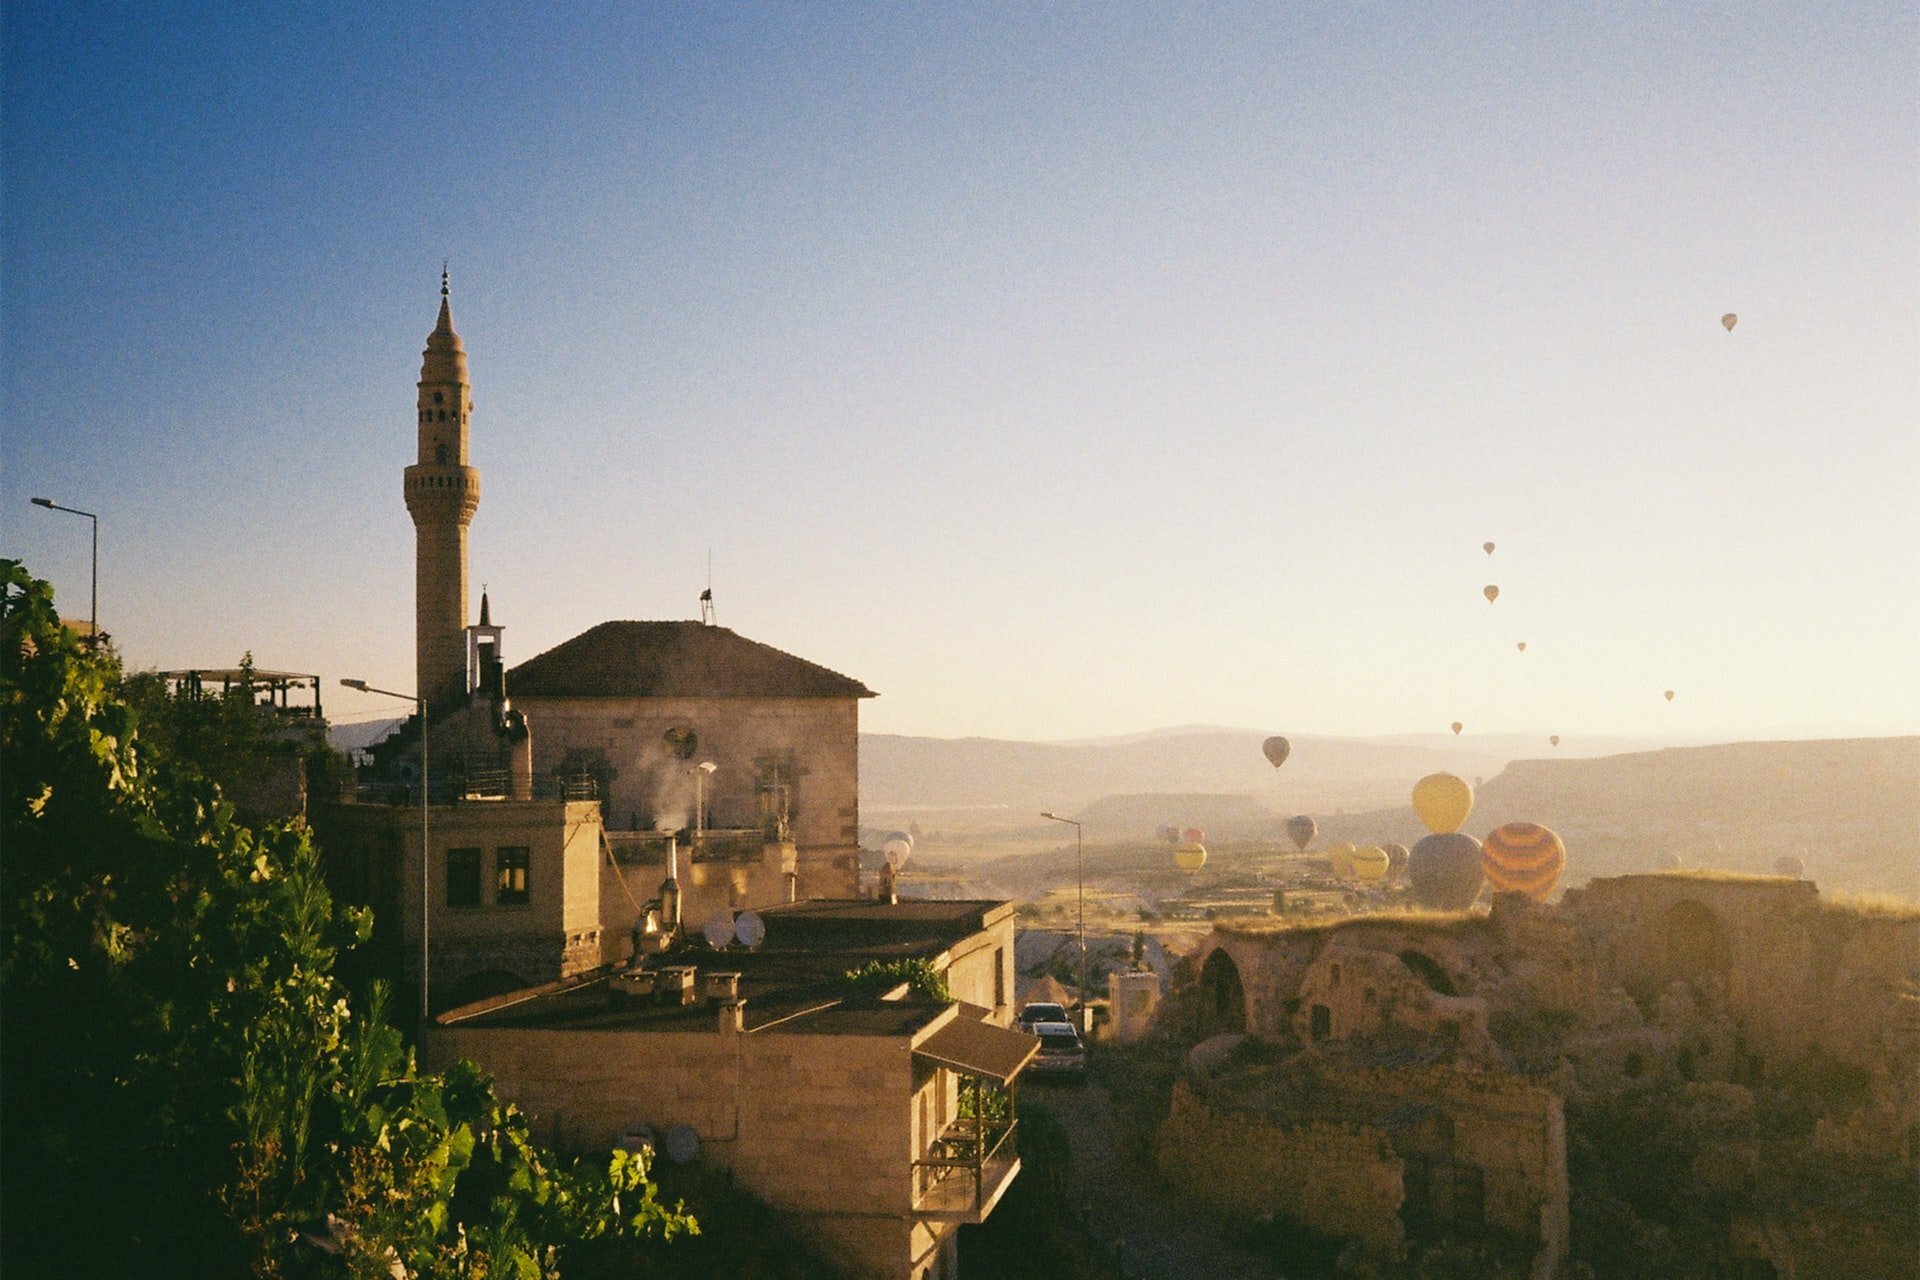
(1276, 750)
(1442, 802)
(1555, 739)
(1523, 857)
(1491, 592)
(1487, 547)
(1669, 695)
(1457, 727)
(1729, 320)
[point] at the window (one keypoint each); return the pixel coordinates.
(463, 877)
(999, 976)
(511, 886)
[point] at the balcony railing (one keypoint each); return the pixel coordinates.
(715, 844)
(966, 1170)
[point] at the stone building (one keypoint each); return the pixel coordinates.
(1424, 1059)
(557, 789)
(853, 1116)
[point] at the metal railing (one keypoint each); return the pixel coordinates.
(716, 844)
(968, 1160)
(476, 784)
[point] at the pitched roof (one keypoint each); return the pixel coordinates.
(673, 660)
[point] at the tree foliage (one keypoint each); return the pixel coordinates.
(187, 1090)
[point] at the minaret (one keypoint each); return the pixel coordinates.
(442, 493)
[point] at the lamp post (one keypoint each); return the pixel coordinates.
(93, 622)
(426, 832)
(1080, 874)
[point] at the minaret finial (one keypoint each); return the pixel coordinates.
(443, 277)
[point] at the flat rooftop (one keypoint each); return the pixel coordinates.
(794, 982)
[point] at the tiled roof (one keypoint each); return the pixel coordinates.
(673, 660)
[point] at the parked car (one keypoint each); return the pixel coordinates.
(1038, 1012)
(1061, 1051)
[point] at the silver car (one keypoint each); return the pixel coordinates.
(1061, 1051)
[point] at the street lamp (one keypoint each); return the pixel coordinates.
(94, 619)
(426, 832)
(1080, 873)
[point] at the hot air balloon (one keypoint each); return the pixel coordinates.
(1341, 858)
(1189, 856)
(1170, 835)
(896, 847)
(1522, 646)
(1669, 695)
(1396, 861)
(1193, 835)
(1444, 870)
(1788, 865)
(1368, 865)
(1457, 727)
(1491, 592)
(1442, 802)
(1487, 547)
(1555, 740)
(1523, 857)
(1302, 829)
(1276, 751)
(1729, 320)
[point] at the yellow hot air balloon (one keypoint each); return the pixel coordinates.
(1341, 856)
(1523, 857)
(1189, 856)
(1729, 320)
(1457, 727)
(1491, 592)
(1369, 864)
(1442, 802)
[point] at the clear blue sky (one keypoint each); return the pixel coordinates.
(1056, 370)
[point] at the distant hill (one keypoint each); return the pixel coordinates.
(1849, 808)
(934, 773)
(354, 735)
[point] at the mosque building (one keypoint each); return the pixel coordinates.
(567, 789)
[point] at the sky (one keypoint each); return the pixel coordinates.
(1057, 371)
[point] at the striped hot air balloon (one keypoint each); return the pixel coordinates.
(1523, 857)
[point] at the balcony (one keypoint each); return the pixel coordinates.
(966, 1171)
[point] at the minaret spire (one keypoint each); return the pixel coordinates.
(442, 493)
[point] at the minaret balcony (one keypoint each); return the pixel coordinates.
(442, 493)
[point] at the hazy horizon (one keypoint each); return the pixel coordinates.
(1052, 372)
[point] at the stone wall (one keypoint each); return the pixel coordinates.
(1339, 1179)
(808, 744)
(820, 1127)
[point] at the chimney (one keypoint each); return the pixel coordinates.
(733, 1017)
(670, 889)
(519, 757)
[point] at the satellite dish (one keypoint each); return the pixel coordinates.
(719, 930)
(682, 1143)
(750, 929)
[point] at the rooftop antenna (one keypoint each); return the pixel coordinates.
(706, 597)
